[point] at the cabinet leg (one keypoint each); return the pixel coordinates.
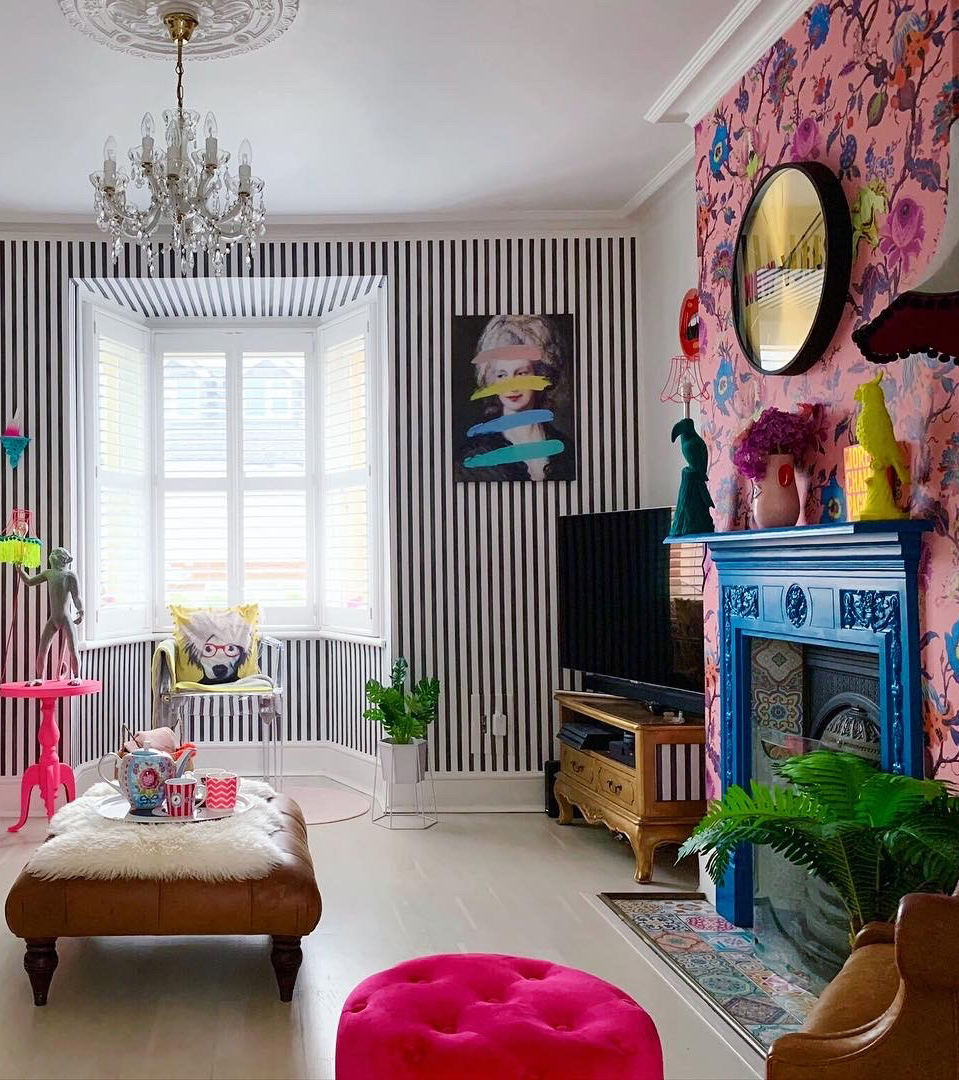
(40, 962)
(565, 809)
(643, 850)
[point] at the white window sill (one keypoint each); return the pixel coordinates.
(282, 634)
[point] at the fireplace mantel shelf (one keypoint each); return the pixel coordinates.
(849, 585)
(810, 535)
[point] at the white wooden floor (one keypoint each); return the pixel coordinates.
(511, 883)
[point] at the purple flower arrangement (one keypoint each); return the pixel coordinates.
(776, 432)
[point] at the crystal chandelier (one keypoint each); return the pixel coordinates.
(192, 192)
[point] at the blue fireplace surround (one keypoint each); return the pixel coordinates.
(853, 585)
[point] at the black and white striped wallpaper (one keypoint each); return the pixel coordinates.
(473, 566)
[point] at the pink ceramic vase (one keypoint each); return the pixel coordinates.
(776, 497)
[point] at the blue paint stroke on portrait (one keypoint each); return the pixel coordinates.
(512, 420)
(507, 455)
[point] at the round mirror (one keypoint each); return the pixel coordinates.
(792, 267)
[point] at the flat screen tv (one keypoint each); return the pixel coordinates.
(631, 607)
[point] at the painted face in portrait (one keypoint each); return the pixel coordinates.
(516, 400)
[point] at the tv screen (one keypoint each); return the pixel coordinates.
(630, 606)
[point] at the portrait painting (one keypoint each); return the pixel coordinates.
(513, 397)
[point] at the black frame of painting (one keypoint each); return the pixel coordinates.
(838, 244)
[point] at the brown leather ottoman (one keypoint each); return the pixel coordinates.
(285, 904)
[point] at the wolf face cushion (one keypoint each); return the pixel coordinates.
(216, 646)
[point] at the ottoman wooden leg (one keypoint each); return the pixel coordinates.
(40, 962)
(287, 957)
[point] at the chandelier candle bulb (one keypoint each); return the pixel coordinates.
(244, 156)
(110, 162)
(146, 145)
(212, 151)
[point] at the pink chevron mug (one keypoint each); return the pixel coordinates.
(180, 794)
(221, 789)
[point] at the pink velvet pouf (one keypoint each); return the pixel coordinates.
(484, 1017)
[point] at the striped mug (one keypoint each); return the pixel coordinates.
(221, 789)
(180, 796)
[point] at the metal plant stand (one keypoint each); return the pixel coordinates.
(418, 812)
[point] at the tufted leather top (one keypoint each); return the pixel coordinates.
(487, 1017)
(285, 903)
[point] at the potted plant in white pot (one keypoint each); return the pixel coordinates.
(405, 718)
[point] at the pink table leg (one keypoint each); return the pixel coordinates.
(30, 780)
(49, 772)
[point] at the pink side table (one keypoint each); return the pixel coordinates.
(49, 772)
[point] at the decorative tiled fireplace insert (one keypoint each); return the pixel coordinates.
(851, 586)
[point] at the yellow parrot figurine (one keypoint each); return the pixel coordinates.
(875, 434)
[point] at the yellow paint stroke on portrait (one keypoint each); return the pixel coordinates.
(507, 386)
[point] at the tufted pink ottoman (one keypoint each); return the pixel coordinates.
(482, 1017)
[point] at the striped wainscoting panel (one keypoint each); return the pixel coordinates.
(124, 671)
(349, 666)
(473, 565)
(680, 772)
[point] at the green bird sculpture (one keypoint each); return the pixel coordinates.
(693, 502)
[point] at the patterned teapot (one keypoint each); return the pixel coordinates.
(141, 776)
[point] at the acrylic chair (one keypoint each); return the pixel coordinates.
(175, 701)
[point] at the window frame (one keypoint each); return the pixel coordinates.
(215, 332)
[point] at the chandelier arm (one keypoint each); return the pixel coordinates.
(132, 222)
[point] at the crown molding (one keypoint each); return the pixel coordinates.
(741, 38)
(79, 228)
(665, 174)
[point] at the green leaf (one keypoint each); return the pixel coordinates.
(876, 108)
(833, 779)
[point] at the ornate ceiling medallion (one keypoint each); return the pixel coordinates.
(225, 28)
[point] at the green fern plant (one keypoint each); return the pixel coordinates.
(403, 716)
(872, 836)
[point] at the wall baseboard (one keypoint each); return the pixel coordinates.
(455, 793)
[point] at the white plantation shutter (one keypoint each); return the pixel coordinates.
(117, 479)
(345, 512)
(278, 494)
(237, 472)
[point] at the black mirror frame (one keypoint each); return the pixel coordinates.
(838, 248)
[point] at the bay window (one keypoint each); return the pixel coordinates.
(235, 464)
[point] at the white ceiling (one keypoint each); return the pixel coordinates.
(389, 109)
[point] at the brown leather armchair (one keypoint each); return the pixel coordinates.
(892, 1013)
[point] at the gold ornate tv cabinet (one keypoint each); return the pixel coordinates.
(655, 799)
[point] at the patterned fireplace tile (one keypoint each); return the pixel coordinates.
(718, 960)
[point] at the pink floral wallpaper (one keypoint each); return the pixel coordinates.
(870, 88)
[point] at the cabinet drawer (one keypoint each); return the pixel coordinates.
(616, 786)
(577, 766)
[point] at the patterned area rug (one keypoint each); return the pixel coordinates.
(718, 960)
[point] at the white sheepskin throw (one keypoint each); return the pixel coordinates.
(83, 844)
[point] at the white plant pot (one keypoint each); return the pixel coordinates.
(402, 763)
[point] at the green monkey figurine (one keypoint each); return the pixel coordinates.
(62, 585)
(693, 502)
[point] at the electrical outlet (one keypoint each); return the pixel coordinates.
(499, 725)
